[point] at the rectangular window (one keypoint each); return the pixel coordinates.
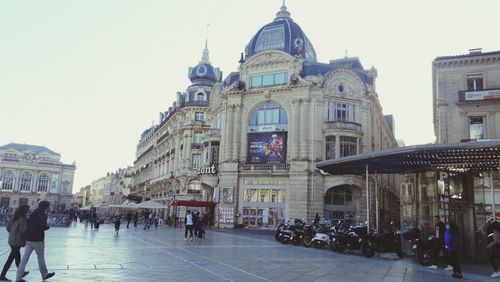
(4, 202)
(330, 147)
(474, 82)
(196, 161)
(268, 79)
(476, 128)
(197, 138)
(23, 201)
(348, 146)
(341, 112)
(199, 116)
(215, 154)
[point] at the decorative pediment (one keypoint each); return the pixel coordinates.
(268, 59)
(343, 82)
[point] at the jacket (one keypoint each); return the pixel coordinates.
(37, 224)
(451, 242)
(16, 230)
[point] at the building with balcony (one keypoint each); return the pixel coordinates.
(29, 173)
(466, 96)
(282, 112)
(108, 190)
(170, 154)
(267, 124)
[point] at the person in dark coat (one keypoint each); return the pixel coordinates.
(453, 244)
(129, 218)
(16, 227)
(136, 219)
(35, 236)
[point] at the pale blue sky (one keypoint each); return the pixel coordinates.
(85, 78)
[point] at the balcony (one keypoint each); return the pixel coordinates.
(268, 168)
(196, 146)
(343, 125)
(482, 95)
(212, 134)
(195, 104)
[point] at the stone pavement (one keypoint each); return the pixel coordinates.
(79, 254)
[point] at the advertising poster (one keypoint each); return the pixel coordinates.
(226, 215)
(227, 195)
(267, 147)
(54, 185)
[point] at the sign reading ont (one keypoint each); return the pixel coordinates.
(208, 169)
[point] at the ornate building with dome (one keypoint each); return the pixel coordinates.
(247, 145)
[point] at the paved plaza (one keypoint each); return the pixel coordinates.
(79, 254)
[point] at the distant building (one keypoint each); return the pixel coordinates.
(30, 173)
(109, 189)
(466, 96)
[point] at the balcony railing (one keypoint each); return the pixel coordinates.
(195, 104)
(196, 146)
(346, 125)
(264, 167)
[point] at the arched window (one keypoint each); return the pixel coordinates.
(7, 180)
(43, 183)
(194, 187)
(269, 115)
(340, 196)
(200, 96)
(26, 178)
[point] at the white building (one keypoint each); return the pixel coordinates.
(30, 173)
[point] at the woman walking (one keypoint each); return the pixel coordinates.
(16, 226)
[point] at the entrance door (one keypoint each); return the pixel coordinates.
(462, 215)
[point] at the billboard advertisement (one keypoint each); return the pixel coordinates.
(267, 147)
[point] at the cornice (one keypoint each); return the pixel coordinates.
(467, 61)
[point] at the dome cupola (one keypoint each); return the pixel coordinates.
(204, 71)
(282, 34)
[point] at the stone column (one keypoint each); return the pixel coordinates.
(293, 130)
(228, 150)
(304, 130)
(236, 132)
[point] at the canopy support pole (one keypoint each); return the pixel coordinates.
(493, 210)
(376, 202)
(367, 200)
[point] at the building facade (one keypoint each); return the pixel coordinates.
(30, 173)
(111, 189)
(266, 126)
(466, 100)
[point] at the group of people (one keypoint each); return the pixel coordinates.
(194, 224)
(29, 232)
(449, 244)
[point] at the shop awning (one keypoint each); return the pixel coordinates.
(459, 157)
(193, 204)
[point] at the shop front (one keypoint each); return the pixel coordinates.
(457, 182)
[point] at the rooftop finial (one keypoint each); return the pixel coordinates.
(283, 13)
(204, 57)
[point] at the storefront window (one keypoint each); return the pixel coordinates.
(264, 195)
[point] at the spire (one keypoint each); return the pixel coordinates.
(204, 57)
(283, 13)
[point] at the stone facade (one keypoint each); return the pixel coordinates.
(108, 190)
(31, 173)
(466, 95)
(267, 125)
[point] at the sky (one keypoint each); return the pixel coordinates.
(86, 78)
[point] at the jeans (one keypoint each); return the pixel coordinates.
(454, 260)
(494, 255)
(146, 223)
(190, 228)
(15, 254)
(39, 248)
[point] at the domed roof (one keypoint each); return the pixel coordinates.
(204, 71)
(282, 34)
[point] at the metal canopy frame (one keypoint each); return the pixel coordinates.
(467, 157)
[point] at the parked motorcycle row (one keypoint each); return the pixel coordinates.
(341, 236)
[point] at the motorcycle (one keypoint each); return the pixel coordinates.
(323, 236)
(423, 249)
(293, 234)
(382, 242)
(308, 235)
(348, 238)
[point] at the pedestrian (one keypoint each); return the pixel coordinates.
(93, 219)
(146, 220)
(188, 221)
(118, 221)
(453, 242)
(438, 246)
(129, 218)
(157, 221)
(16, 227)
(494, 248)
(35, 235)
(136, 220)
(316, 220)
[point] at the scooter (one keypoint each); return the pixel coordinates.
(348, 239)
(323, 236)
(382, 242)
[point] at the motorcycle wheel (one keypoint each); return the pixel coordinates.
(424, 256)
(277, 236)
(307, 241)
(367, 250)
(338, 247)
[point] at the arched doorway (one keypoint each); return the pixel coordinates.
(340, 202)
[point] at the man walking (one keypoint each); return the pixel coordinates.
(188, 221)
(35, 235)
